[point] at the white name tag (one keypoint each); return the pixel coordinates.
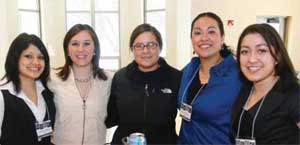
(43, 129)
(239, 141)
(186, 111)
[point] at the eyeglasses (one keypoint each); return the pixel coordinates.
(141, 46)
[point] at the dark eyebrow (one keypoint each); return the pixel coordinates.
(73, 41)
(79, 41)
(258, 45)
(197, 28)
(244, 46)
(210, 27)
(262, 44)
(27, 53)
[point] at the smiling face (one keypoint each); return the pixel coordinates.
(206, 38)
(256, 60)
(146, 51)
(31, 63)
(81, 49)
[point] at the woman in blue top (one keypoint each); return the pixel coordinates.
(209, 86)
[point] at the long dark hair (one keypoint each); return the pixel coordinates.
(19, 44)
(65, 70)
(284, 68)
(225, 51)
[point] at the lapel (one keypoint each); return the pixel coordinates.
(241, 100)
(274, 98)
(48, 97)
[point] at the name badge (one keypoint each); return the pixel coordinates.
(43, 129)
(186, 111)
(245, 141)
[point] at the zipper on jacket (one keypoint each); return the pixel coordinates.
(146, 100)
(145, 106)
(146, 90)
(83, 126)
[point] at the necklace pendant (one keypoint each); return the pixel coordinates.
(83, 105)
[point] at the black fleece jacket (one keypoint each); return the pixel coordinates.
(144, 102)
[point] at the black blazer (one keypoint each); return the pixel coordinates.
(280, 111)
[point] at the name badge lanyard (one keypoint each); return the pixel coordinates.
(198, 93)
(186, 109)
(189, 83)
(44, 128)
(254, 119)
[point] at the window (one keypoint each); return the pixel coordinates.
(278, 23)
(29, 16)
(154, 14)
(103, 16)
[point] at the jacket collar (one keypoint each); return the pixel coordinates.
(282, 90)
(10, 87)
(135, 74)
(218, 70)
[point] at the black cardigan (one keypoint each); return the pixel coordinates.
(18, 127)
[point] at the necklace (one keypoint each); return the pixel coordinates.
(83, 89)
(83, 80)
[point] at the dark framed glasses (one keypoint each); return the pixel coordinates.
(141, 46)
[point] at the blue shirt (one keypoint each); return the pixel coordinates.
(211, 109)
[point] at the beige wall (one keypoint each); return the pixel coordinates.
(8, 28)
(244, 13)
(294, 35)
(178, 17)
(3, 35)
(53, 30)
(130, 17)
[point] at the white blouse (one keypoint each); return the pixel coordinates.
(38, 110)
